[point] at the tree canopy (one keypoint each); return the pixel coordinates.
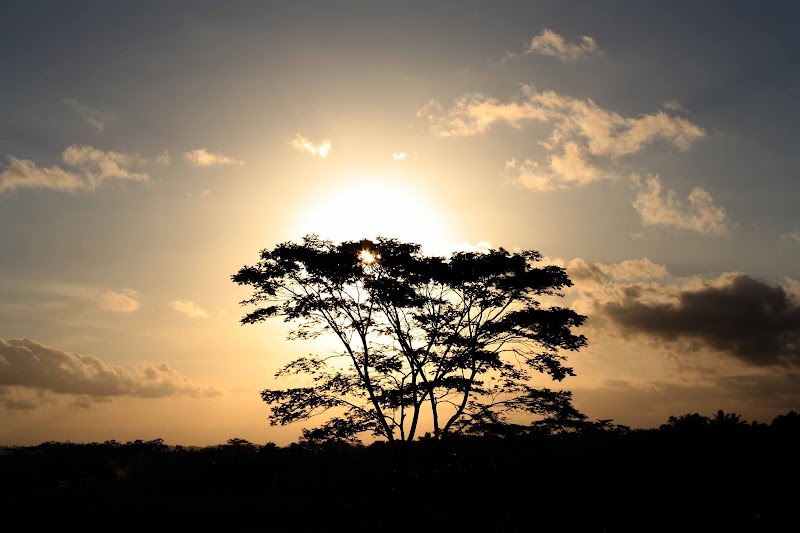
(435, 344)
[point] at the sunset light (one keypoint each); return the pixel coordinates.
(646, 152)
(372, 207)
(368, 257)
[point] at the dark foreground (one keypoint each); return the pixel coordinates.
(601, 481)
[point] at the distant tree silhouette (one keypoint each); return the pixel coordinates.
(693, 423)
(723, 421)
(455, 338)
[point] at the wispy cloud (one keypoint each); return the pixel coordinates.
(29, 364)
(791, 236)
(91, 167)
(124, 301)
(550, 43)
(25, 173)
(188, 308)
(699, 213)
(36, 296)
(304, 144)
(585, 138)
(482, 247)
(101, 165)
(93, 117)
(571, 168)
(476, 113)
(674, 105)
(203, 158)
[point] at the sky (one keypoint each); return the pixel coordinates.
(148, 150)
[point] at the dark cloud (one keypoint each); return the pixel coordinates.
(746, 318)
(27, 363)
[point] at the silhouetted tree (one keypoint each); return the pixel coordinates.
(693, 423)
(454, 337)
(723, 421)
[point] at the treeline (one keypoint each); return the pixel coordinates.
(717, 473)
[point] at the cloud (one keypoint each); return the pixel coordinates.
(791, 236)
(124, 301)
(302, 143)
(481, 247)
(92, 168)
(203, 158)
(674, 105)
(584, 137)
(734, 314)
(31, 365)
(25, 173)
(100, 165)
(476, 113)
(93, 117)
(549, 43)
(629, 270)
(188, 308)
(562, 171)
(700, 214)
(792, 287)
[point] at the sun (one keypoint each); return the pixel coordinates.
(374, 207)
(368, 257)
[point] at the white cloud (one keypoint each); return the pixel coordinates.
(550, 43)
(124, 301)
(792, 287)
(188, 308)
(572, 168)
(302, 143)
(93, 117)
(476, 113)
(100, 165)
(638, 270)
(29, 364)
(401, 155)
(25, 173)
(203, 158)
(481, 247)
(674, 105)
(92, 167)
(583, 140)
(791, 236)
(700, 213)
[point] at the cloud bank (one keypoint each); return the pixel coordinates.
(29, 364)
(734, 314)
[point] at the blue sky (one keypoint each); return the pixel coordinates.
(148, 150)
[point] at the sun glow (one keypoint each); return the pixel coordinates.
(372, 208)
(368, 257)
